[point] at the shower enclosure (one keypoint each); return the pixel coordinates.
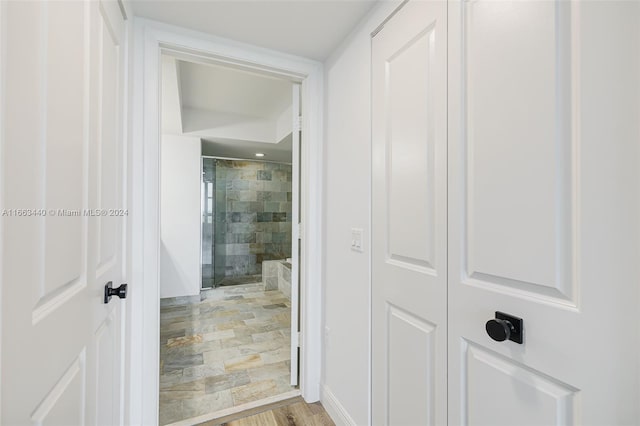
(246, 219)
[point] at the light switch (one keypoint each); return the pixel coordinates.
(356, 239)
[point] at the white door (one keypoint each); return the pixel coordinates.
(409, 268)
(295, 240)
(63, 156)
(543, 211)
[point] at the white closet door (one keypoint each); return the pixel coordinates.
(409, 217)
(63, 156)
(543, 211)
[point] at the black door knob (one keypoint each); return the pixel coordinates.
(109, 291)
(499, 330)
(505, 327)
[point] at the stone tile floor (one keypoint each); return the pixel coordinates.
(230, 348)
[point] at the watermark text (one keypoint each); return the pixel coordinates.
(64, 212)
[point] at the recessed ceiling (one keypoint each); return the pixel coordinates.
(279, 153)
(235, 113)
(308, 28)
(217, 88)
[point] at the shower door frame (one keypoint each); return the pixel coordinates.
(151, 40)
(203, 213)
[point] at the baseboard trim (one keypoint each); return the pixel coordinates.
(336, 411)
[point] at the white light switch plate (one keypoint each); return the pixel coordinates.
(356, 239)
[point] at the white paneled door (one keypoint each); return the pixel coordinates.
(409, 217)
(62, 218)
(506, 180)
(543, 212)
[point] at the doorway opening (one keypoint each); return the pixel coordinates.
(229, 280)
(153, 40)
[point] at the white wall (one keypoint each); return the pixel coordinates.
(171, 103)
(346, 369)
(180, 216)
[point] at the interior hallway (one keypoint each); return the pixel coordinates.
(230, 348)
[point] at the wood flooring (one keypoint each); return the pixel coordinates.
(291, 412)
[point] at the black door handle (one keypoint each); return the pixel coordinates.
(109, 291)
(505, 327)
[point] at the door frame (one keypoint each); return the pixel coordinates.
(151, 38)
(3, 62)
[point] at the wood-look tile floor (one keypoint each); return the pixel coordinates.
(292, 412)
(230, 348)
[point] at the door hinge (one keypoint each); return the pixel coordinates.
(300, 231)
(296, 339)
(298, 124)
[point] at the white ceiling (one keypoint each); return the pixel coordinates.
(216, 88)
(309, 28)
(235, 113)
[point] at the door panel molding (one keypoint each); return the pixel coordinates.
(106, 342)
(520, 210)
(511, 383)
(48, 304)
(406, 368)
(411, 223)
(108, 182)
(64, 31)
(74, 375)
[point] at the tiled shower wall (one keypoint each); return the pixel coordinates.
(253, 218)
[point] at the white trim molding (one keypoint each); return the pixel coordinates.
(150, 40)
(336, 411)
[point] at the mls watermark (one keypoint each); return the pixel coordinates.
(64, 212)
